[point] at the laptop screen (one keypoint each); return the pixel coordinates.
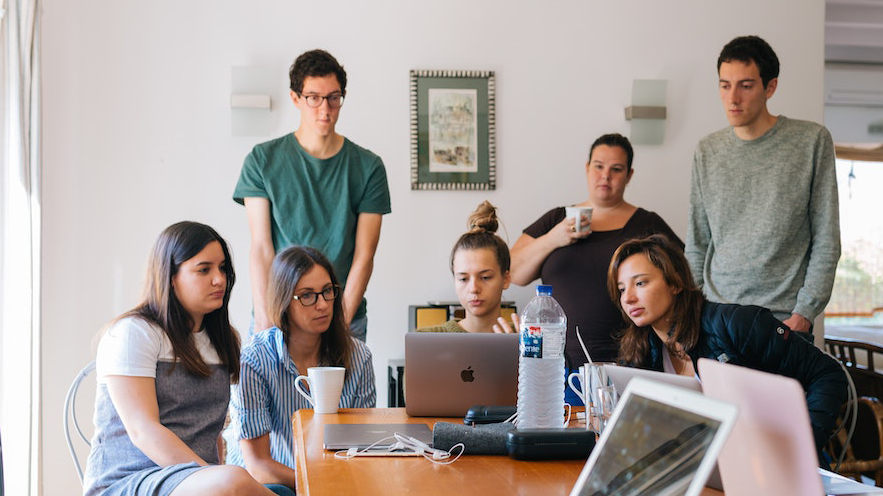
(655, 445)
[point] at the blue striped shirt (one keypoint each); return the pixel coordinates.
(265, 398)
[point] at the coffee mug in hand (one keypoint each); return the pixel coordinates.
(325, 384)
(577, 213)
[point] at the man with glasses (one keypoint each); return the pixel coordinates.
(314, 187)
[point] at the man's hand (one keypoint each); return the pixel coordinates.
(797, 322)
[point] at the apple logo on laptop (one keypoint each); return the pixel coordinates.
(468, 374)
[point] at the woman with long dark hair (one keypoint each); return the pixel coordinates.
(164, 371)
(309, 330)
(670, 325)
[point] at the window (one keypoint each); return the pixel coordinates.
(858, 284)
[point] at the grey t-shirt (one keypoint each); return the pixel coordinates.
(764, 220)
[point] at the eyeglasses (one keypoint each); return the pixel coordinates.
(310, 298)
(335, 100)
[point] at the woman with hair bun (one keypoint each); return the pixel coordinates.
(480, 265)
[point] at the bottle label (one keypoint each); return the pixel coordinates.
(532, 341)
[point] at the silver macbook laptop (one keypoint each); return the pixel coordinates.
(448, 372)
(345, 436)
(661, 440)
(622, 375)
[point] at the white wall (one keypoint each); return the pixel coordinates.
(137, 131)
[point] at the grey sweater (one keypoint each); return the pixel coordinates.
(764, 223)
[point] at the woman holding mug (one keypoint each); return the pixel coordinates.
(671, 325)
(574, 261)
(164, 371)
(308, 330)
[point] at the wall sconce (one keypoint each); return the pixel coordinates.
(647, 112)
(250, 102)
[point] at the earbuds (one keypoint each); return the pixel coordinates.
(406, 444)
(420, 447)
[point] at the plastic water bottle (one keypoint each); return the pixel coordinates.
(541, 363)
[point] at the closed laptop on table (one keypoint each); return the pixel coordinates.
(446, 373)
(361, 436)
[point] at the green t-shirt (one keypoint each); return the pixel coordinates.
(315, 202)
(449, 326)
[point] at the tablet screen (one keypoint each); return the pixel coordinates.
(653, 448)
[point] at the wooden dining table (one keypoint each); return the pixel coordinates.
(320, 473)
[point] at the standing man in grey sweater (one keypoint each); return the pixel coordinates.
(764, 223)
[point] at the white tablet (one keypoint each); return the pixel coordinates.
(661, 440)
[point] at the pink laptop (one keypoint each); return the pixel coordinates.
(771, 449)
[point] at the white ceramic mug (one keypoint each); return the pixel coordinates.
(577, 213)
(325, 384)
(580, 375)
(591, 377)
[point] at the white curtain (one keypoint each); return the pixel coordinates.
(20, 249)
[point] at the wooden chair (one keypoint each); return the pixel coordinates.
(861, 359)
(864, 455)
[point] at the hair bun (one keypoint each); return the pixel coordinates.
(483, 219)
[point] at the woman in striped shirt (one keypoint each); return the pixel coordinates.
(308, 331)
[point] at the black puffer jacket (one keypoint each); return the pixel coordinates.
(750, 336)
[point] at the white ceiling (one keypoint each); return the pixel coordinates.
(854, 31)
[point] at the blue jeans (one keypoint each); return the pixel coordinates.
(280, 489)
(359, 328)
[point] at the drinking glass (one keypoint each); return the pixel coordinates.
(607, 398)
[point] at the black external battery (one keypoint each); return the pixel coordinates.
(480, 414)
(550, 444)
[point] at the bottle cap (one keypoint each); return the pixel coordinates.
(544, 289)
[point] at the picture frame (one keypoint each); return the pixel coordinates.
(453, 130)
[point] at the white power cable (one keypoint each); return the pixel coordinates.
(402, 442)
(851, 409)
